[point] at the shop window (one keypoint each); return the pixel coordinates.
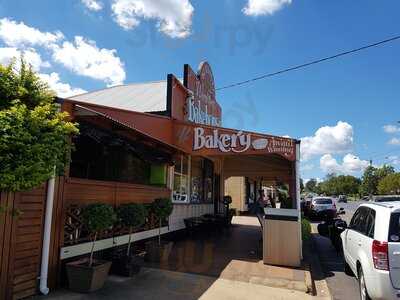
(181, 179)
(202, 176)
(196, 184)
(100, 155)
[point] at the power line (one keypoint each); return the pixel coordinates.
(309, 63)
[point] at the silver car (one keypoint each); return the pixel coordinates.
(320, 205)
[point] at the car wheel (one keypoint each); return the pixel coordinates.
(363, 288)
(347, 269)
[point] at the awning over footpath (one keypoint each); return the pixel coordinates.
(191, 138)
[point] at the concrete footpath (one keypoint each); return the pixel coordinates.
(226, 265)
(152, 284)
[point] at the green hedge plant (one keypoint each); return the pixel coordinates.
(35, 136)
(97, 217)
(162, 209)
(305, 229)
(131, 215)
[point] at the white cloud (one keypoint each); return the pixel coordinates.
(94, 5)
(61, 89)
(174, 17)
(85, 58)
(306, 167)
(7, 54)
(350, 164)
(20, 35)
(394, 159)
(328, 139)
(264, 7)
(394, 141)
(391, 128)
(82, 56)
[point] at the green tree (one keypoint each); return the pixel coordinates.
(131, 215)
(35, 136)
(97, 217)
(301, 185)
(341, 185)
(384, 171)
(311, 185)
(390, 184)
(371, 178)
(369, 181)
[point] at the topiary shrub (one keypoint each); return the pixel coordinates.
(132, 215)
(97, 217)
(162, 209)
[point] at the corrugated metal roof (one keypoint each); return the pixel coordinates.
(140, 97)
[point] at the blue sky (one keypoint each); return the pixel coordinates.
(88, 44)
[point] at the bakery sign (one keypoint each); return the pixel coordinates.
(201, 104)
(205, 140)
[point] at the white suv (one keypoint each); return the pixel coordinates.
(371, 248)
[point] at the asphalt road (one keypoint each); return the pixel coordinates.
(342, 286)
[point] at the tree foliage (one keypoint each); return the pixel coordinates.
(34, 135)
(162, 209)
(132, 214)
(371, 178)
(311, 185)
(390, 184)
(340, 185)
(98, 217)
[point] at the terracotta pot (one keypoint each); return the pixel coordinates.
(85, 279)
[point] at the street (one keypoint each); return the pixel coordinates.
(341, 285)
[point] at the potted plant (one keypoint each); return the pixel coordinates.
(131, 215)
(162, 209)
(89, 275)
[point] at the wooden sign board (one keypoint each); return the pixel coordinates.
(204, 140)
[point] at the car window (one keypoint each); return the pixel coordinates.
(323, 201)
(370, 224)
(394, 228)
(354, 219)
(358, 223)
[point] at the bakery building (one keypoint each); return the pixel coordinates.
(139, 142)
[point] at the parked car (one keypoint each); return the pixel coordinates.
(342, 198)
(320, 205)
(386, 198)
(371, 249)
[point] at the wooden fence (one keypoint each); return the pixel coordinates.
(74, 192)
(22, 221)
(21, 230)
